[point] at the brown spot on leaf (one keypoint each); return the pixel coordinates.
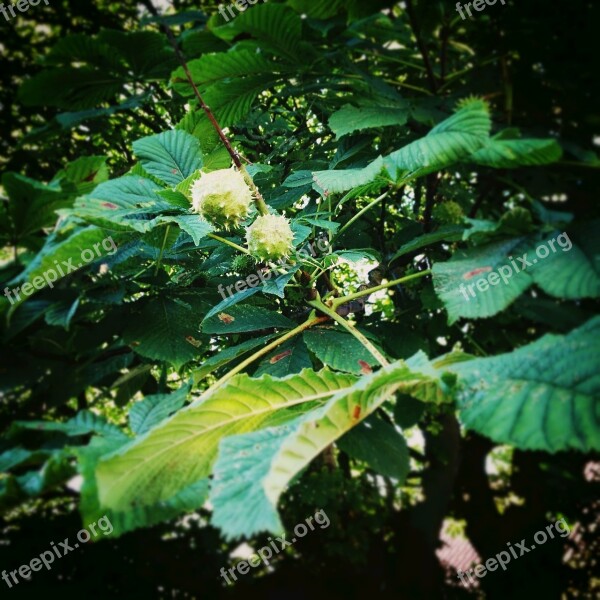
(356, 412)
(280, 356)
(193, 341)
(365, 368)
(225, 318)
(475, 272)
(109, 205)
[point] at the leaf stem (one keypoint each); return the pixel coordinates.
(162, 250)
(228, 242)
(342, 300)
(318, 304)
(359, 214)
(261, 205)
(312, 320)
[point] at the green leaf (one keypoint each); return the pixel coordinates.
(230, 301)
(166, 329)
(182, 450)
(60, 250)
(514, 223)
(253, 470)
(380, 445)
(122, 204)
(446, 233)
(572, 272)
(213, 68)
(193, 225)
(227, 355)
(32, 205)
(543, 396)
(171, 156)
(61, 313)
(71, 88)
(339, 351)
(276, 27)
(150, 411)
(447, 143)
(509, 154)
(85, 422)
(232, 100)
(291, 357)
(13, 457)
(135, 515)
(336, 181)
(239, 319)
(571, 269)
(408, 411)
(350, 119)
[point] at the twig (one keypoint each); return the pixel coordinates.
(415, 27)
(312, 320)
(258, 198)
(352, 330)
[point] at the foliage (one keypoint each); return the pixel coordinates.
(395, 137)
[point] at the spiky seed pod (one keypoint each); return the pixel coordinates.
(449, 213)
(244, 264)
(222, 197)
(270, 237)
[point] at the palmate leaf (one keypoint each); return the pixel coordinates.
(136, 515)
(193, 225)
(350, 119)
(128, 203)
(171, 156)
(339, 351)
(446, 233)
(380, 445)
(61, 247)
(32, 205)
(341, 180)
(239, 319)
(232, 100)
(544, 396)
(291, 357)
(277, 28)
(71, 88)
(227, 355)
(565, 273)
(253, 469)
(509, 154)
(449, 142)
(166, 329)
(213, 68)
(182, 450)
(153, 409)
